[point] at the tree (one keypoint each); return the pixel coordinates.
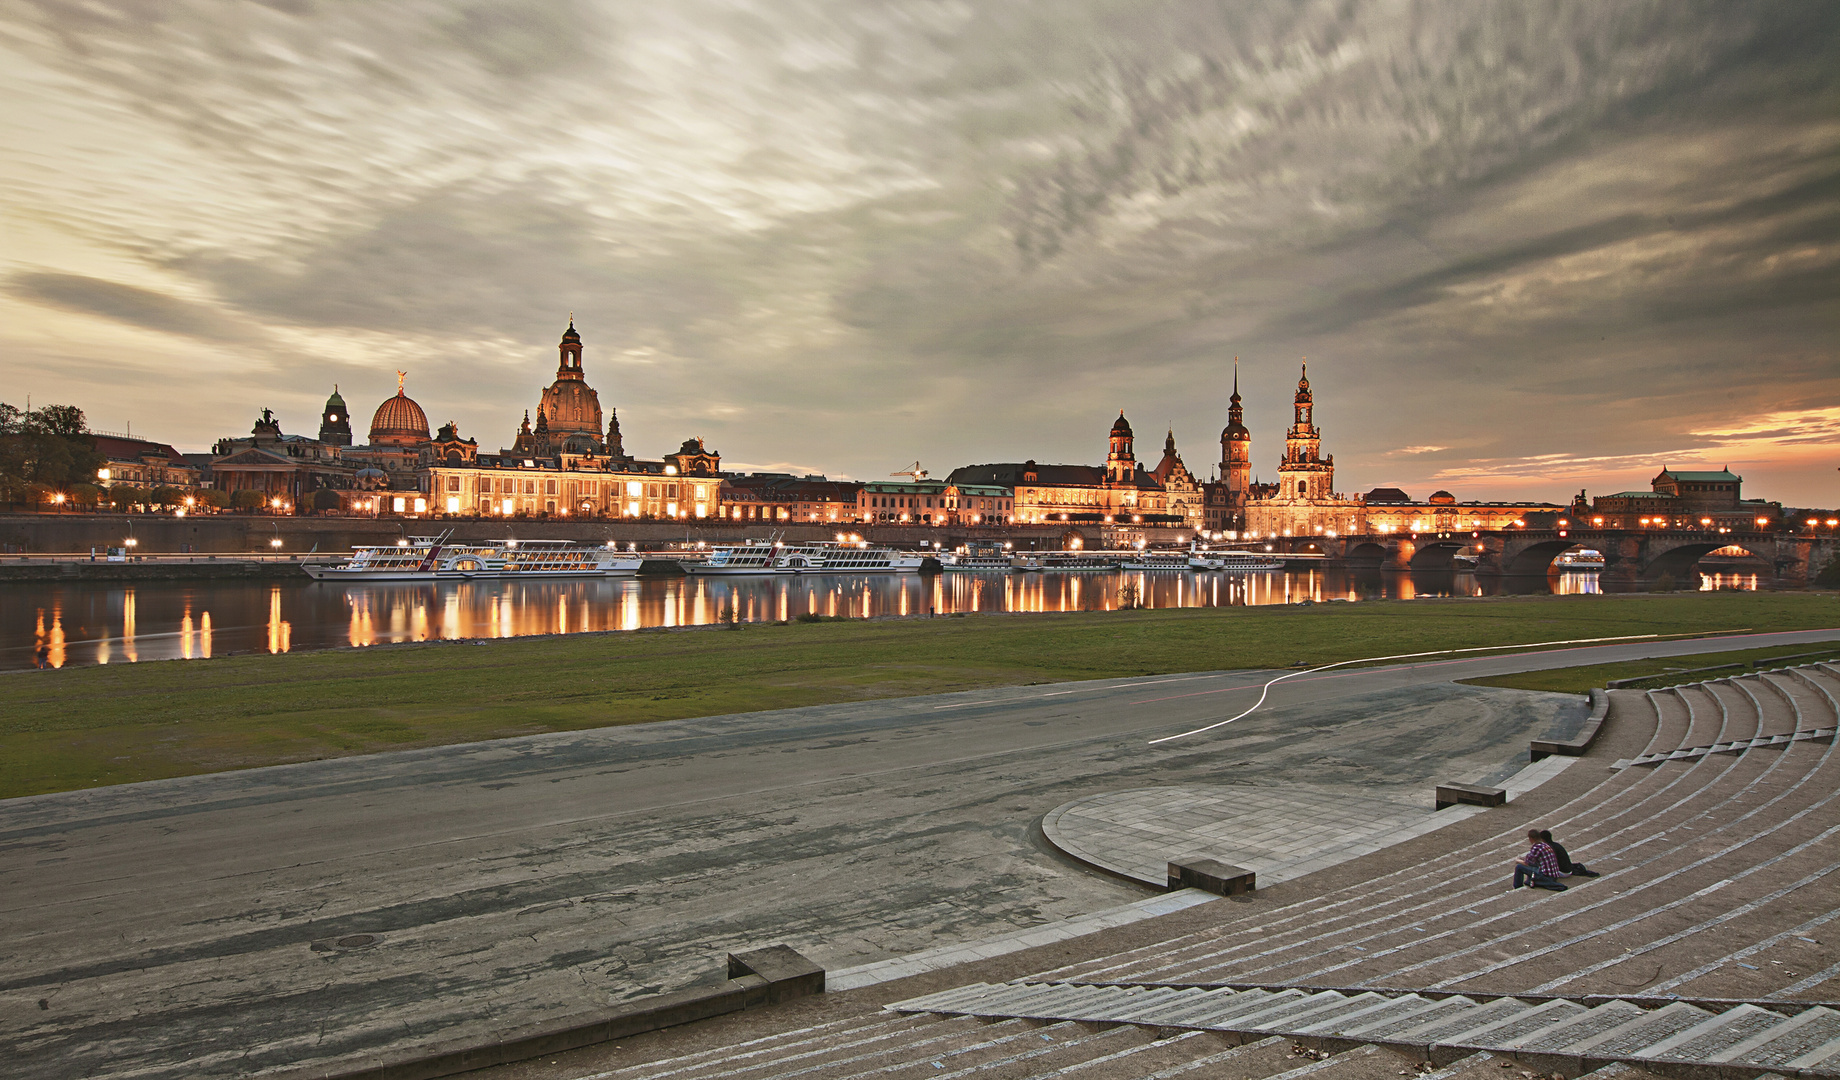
(167, 495)
(214, 498)
(46, 447)
(248, 499)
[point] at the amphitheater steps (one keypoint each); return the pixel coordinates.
(1445, 1028)
(1024, 1048)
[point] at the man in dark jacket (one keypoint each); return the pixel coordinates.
(1566, 865)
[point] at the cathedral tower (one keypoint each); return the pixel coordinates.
(1236, 446)
(1305, 473)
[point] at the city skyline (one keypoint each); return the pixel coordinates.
(1527, 251)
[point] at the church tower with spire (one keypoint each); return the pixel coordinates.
(1305, 474)
(1236, 447)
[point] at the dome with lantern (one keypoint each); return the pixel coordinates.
(399, 421)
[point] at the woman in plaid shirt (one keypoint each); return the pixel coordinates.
(1539, 867)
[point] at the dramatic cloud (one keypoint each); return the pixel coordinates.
(1534, 246)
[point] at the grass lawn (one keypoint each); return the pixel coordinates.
(1668, 671)
(85, 727)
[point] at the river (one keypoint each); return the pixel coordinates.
(112, 623)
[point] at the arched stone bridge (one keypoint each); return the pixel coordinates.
(1634, 554)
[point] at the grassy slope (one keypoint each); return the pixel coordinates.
(1667, 672)
(83, 727)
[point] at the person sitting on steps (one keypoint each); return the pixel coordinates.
(1566, 865)
(1538, 868)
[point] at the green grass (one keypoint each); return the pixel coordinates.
(1663, 671)
(84, 727)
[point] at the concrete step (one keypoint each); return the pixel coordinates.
(1805, 1034)
(1717, 1033)
(801, 1046)
(1743, 1036)
(1638, 1032)
(1586, 1025)
(1510, 1029)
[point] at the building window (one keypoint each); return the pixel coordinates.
(549, 487)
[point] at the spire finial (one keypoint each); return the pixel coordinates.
(400, 376)
(571, 319)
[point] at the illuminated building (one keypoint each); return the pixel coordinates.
(1682, 499)
(1121, 491)
(793, 500)
(1304, 502)
(288, 469)
(563, 466)
(140, 463)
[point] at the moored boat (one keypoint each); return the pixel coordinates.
(1067, 561)
(1235, 560)
(1581, 560)
(1158, 561)
(434, 558)
(985, 555)
(776, 557)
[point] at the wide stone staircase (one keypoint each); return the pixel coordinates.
(1702, 950)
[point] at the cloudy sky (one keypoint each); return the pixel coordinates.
(1527, 247)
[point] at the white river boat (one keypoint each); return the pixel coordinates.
(1585, 560)
(434, 558)
(775, 557)
(1158, 561)
(1236, 561)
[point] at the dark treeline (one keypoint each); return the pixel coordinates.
(47, 450)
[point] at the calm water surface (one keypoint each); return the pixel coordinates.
(107, 623)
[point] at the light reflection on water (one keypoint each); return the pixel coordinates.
(102, 623)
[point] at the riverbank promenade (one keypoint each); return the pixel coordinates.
(1703, 949)
(370, 913)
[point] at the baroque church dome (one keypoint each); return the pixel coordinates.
(570, 404)
(399, 421)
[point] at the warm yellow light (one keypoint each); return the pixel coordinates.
(1763, 521)
(58, 498)
(275, 543)
(102, 474)
(189, 501)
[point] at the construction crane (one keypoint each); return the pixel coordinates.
(913, 470)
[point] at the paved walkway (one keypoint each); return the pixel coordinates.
(191, 927)
(1280, 832)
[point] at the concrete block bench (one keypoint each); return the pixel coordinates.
(1469, 795)
(1579, 743)
(1211, 876)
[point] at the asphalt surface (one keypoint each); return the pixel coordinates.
(225, 924)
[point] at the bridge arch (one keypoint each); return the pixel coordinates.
(1436, 554)
(1678, 561)
(1366, 556)
(1536, 558)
